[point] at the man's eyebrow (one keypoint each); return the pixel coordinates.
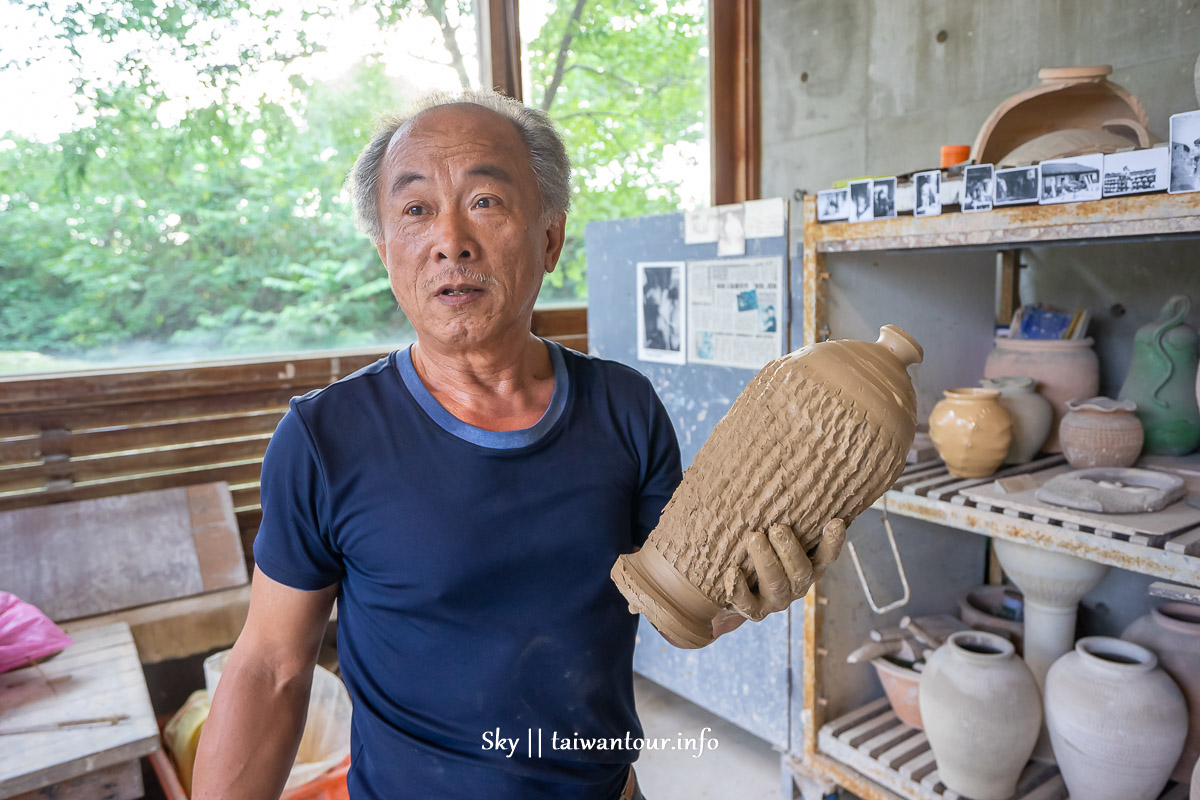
(405, 179)
(490, 171)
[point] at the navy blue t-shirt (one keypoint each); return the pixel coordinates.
(474, 569)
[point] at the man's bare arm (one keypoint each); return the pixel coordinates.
(253, 730)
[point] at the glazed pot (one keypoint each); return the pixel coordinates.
(982, 713)
(1101, 432)
(1162, 380)
(1066, 369)
(1172, 632)
(818, 434)
(971, 431)
(1117, 722)
(995, 609)
(901, 685)
(1031, 415)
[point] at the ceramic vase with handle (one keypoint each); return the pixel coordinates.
(1117, 722)
(1031, 415)
(982, 713)
(1101, 432)
(1172, 632)
(1162, 380)
(1065, 369)
(971, 431)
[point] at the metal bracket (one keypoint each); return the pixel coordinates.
(862, 578)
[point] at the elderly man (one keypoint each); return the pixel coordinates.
(463, 500)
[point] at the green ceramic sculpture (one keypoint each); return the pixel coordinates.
(1162, 380)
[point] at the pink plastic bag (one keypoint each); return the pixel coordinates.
(26, 634)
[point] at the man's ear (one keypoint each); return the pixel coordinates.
(556, 234)
(382, 250)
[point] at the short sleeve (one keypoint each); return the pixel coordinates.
(661, 472)
(293, 545)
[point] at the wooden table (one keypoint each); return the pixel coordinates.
(99, 676)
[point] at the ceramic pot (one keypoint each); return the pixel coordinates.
(1101, 432)
(971, 431)
(1117, 722)
(1066, 369)
(901, 685)
(1031, 415)
(1172, 632)
(1162, 380)
(1195, 793)
(982, 713)
(1053, 584)
(818, 434)
(995, 609)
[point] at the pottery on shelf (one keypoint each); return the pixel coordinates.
(1117, 722)
(1067, 98)
(995, 609)
(1162, 380)
(1113, 490)
(901, 685)
(971, 431)
(1172, 632)
(1101, 432)
(1066, 369)
(816, 435)
(1031, 415)
(1115, 136)
(1195, 793)
(1053, 584)
(982, 713)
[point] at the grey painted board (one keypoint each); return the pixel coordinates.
(744, 677)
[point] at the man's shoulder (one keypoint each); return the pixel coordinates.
(604, 373)
(364, 386)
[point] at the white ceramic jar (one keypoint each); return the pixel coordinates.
(1117, 722)
(1032, 415)
(982, 713)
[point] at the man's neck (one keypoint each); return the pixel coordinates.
(501, 388)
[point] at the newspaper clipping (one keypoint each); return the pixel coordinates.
(736, 311)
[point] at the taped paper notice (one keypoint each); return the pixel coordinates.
(736, 311)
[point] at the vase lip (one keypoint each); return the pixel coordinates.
(971, 393)
(1114, 654)
(1044, 344)
(1003, 382)
(980, 646)
(1103, 404)
(1183, 617)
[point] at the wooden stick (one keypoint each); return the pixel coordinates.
(70, 723)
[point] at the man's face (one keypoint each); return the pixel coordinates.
(465, 242)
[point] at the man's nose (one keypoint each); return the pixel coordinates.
(452, 238)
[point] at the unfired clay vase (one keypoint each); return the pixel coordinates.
(981, 608)
(1117, 722)
(1172, 632)
(818, 434)
(982, 714)
(1195, 793)
(971, 431)
(1031, 415)
(1101, 432)
(1053, 584)
(1066, 369)
(1162, 380)
(1068, 97)
(901, 685)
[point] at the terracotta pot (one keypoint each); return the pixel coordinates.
(1031, 415)
(1162, 380)
(816, 435)
(1117, 722)
(1172, 632)
(1075, 142)
(982, 713)
(1101, 432)
(982, 606)
(900, 684)
(971, 431)
(1066, 369)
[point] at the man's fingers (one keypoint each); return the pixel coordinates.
(773, 584)
(833, 536)
(740, 597)
(795, 563)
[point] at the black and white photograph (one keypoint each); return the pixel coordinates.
(661, 322)
(977, 188)
(883, 198)
(1070, 180)
(1136, 171)
(927, 188)
(1185, 152)
(1016, 185)
(860, 201)
(731, 238)
(833, 204)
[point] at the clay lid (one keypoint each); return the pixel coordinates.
(1074, 73)
(1105, 404)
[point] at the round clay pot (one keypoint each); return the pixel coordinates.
(1172, 632)
(1067, 369)
(901, 685)
(1101, 432)
(971, 431)
(982, 606)
(1117, 722)
(1031, 415)
(982, 713)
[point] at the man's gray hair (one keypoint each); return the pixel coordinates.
(547, 153)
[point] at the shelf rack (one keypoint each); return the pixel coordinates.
(829, 756)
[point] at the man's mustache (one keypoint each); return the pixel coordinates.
(462, 273)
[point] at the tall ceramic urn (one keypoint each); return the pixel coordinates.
(1162, 380)
(818, 434)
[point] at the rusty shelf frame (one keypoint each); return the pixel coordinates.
(1145, 218)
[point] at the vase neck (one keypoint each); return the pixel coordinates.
(1179, 617)
(1116, 657)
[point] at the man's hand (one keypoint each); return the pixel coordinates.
(785, 572)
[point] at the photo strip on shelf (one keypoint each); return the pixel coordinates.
(860, 200)
(978, 187)
(927, 193)
(1185, 152)
(1136, 171)
(883, 198)
(1016, 185)
(833, 205)
(1070, 180)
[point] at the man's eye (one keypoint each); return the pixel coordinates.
(414, 210)
(485, 202)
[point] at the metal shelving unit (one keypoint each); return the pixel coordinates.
(866, 750)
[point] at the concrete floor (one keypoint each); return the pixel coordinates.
(741, 766)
